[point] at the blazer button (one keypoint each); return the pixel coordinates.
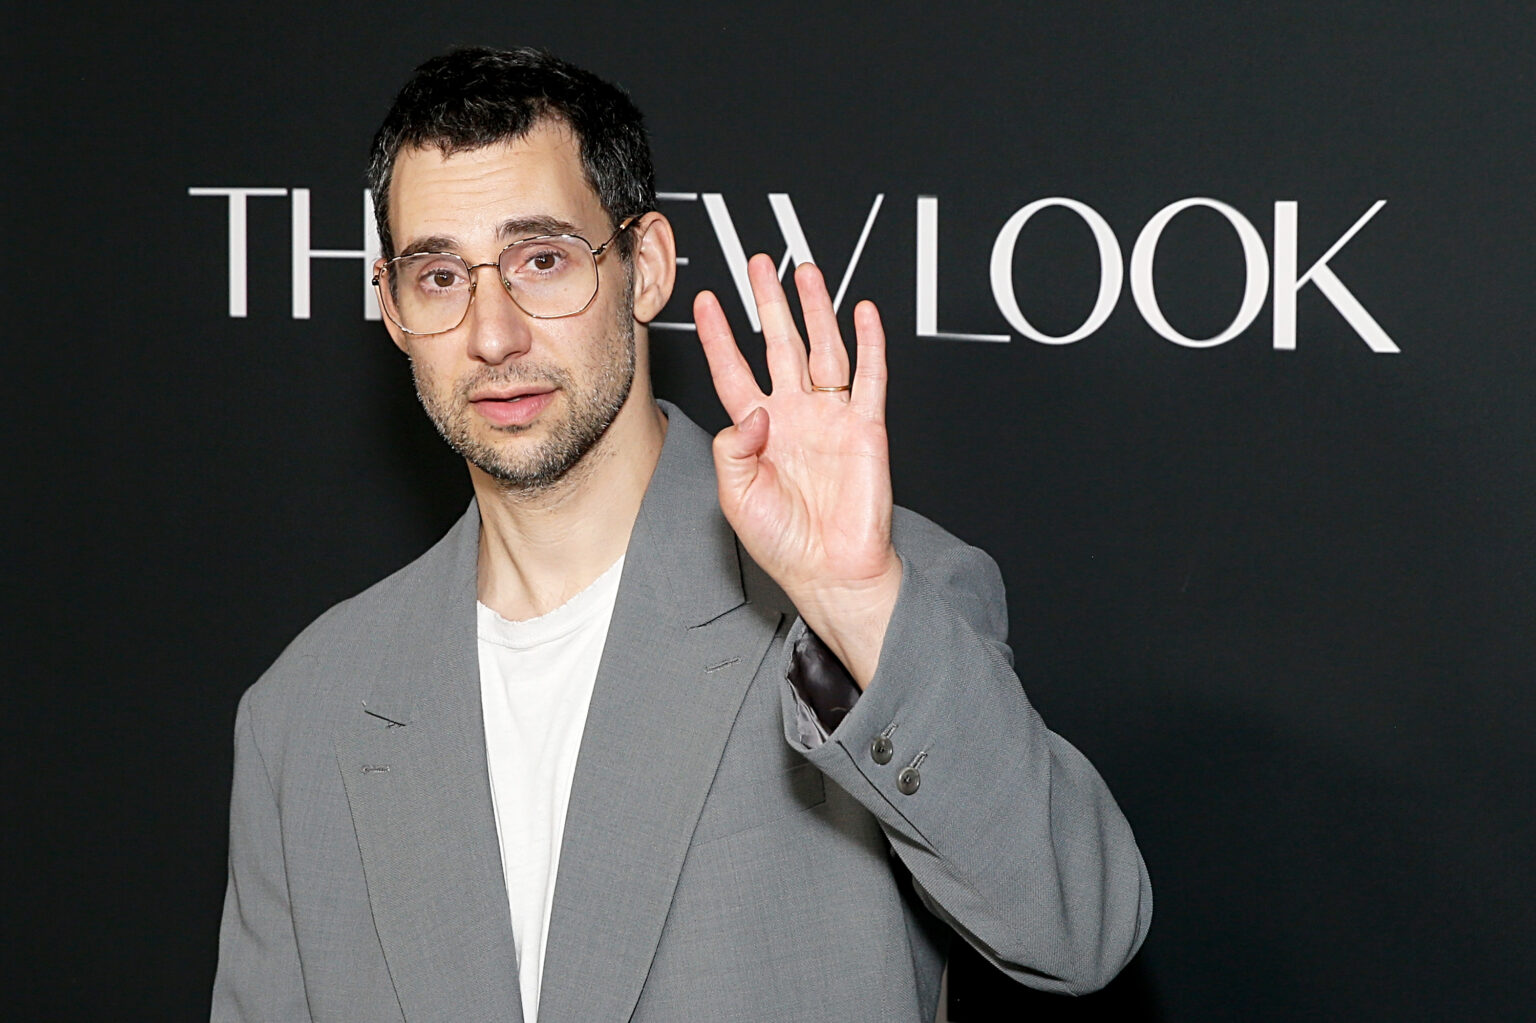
(908, 781)
(881, 749)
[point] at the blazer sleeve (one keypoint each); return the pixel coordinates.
(259, 977)
(1010, 834)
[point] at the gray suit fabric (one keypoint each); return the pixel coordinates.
(713, 867)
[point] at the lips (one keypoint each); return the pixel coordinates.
(512, 406)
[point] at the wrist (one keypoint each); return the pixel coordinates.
(851, 619)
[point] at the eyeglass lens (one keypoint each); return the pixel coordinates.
(429, 292)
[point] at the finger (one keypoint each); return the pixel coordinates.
(786, 352)
(736, 450)
(829, 357)
(869, 377)
(733, 378)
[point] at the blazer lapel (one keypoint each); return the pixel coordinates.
(681, 650)
(414, 768)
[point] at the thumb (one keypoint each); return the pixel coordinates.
(736, 451)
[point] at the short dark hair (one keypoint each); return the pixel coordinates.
(475, 97)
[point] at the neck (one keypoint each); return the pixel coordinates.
(539, 549)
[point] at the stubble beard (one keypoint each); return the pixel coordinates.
(591, 410)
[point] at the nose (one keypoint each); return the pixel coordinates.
(497, 329)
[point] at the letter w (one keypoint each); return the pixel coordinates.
(798, 248)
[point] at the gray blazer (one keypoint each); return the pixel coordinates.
(713, 866)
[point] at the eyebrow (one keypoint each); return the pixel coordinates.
(524, 227)
(509, 230)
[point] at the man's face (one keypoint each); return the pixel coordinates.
(523, 399)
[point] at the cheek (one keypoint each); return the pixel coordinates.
(432, 380)
(582, 346)
(402, 340)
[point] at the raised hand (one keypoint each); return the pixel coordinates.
(804, 472)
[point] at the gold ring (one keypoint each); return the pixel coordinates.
(832, 390)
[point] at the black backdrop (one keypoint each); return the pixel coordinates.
(1281, 596)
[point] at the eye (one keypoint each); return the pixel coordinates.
(438, 275)
(542, 260)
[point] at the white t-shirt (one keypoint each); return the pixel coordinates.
(536, 681)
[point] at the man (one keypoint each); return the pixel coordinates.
(591, 756)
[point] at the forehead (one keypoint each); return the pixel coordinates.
(470, 196)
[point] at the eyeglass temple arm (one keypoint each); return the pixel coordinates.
(624, 225)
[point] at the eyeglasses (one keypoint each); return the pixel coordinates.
(550, 276)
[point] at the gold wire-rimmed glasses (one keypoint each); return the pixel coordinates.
(549, 276)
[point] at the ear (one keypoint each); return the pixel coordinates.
(655, 261)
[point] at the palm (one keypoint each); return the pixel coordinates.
(804, 474)
(820, 497)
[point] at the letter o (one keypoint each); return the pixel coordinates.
(1255, 261)
(1111, 270)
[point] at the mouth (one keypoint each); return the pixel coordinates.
(512, 406)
